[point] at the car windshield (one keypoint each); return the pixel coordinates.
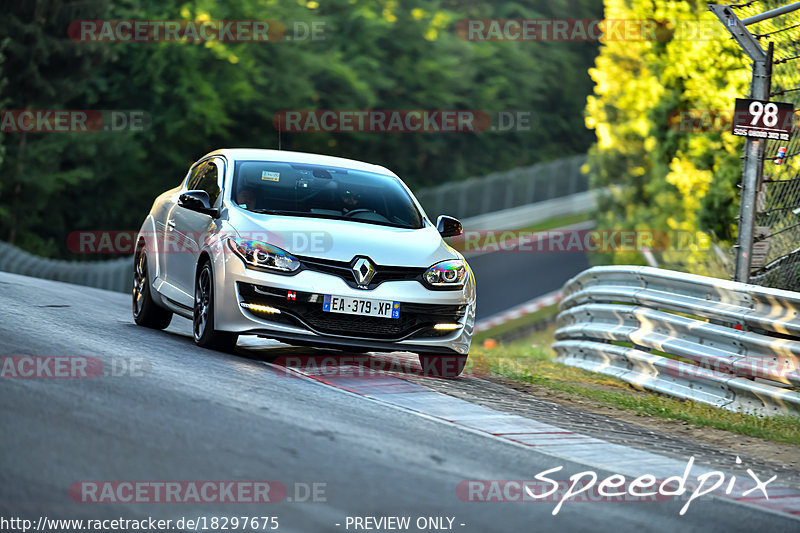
(295, 189)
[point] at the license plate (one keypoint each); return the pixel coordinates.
(360, 306)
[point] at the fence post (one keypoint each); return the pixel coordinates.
(752, 173)
(530, 189)
(753, 167)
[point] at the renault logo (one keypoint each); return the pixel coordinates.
(363, 271)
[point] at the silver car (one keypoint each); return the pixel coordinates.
(308, 250)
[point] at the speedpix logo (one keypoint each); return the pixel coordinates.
(587, 486)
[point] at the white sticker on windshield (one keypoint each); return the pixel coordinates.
(270, 176)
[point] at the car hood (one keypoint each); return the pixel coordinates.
(342, 240)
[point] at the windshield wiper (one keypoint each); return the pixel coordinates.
(280, 212)
(329, 217)
(306, 214)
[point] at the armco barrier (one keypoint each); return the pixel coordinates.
(728, 344)
(114, 275)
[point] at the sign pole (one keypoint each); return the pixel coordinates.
(752, 173)
(754, 148)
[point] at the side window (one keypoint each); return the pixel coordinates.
(193, 177)
(209, 182)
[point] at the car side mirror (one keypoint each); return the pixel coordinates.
(198, 201)
(448, 226)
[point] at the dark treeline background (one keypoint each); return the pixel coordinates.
(382, 54)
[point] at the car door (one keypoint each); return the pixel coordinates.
(169, 239)
(165, 233)
(191, 229)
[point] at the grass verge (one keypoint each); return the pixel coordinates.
(522, 322)
(530, 360)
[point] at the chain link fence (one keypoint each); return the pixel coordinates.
(505, 190)
(777, 216)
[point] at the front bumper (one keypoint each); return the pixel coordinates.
(300, 319)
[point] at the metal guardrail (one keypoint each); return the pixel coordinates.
(720, 342)
(505, 190)
(114, 275)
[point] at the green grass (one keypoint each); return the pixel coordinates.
(530, 361)
(517, 323)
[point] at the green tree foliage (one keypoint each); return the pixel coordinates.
(378, 54)
(664, 172)
(44, 71)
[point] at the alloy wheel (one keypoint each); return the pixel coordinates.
(202, 297)
(139, 279)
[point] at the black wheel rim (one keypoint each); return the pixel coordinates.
(202, 297)
(139, 280)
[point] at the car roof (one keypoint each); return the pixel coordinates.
(259, 154)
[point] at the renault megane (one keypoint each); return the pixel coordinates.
(305, 249)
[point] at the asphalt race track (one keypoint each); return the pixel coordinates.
(195, 414)
(506, 279)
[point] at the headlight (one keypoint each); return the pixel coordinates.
(257, 254)
(447, 274)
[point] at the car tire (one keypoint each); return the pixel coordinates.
(442, 366)
(203, 330)
(145, 311)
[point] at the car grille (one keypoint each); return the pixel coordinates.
(343, 270)
(355, 325)
(305, 310)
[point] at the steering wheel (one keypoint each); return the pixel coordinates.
(357, 211)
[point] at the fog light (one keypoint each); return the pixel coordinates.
(261, 308)
(446, 326)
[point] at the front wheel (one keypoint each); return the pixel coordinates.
(203, 317)
(145, 311)
(442, 366)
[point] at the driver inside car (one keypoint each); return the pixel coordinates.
(246, 198)
(350, 201)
